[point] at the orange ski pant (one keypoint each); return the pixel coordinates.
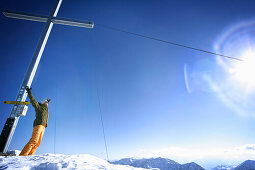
(34, 142)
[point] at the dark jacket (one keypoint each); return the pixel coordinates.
(42, 113)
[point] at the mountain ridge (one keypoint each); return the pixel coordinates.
(160, 163)
(169, 164)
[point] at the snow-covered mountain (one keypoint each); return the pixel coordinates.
(190, 166)
(158, 163)
(224, 167)
(246, 165)
(58, 161)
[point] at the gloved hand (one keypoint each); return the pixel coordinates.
(28, 89)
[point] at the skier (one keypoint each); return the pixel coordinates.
(40, 123)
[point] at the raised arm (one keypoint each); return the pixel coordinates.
(32, 99)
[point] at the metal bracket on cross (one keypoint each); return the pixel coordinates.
(17, 102)
(21, 106)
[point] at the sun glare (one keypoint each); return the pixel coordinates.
(244, 71)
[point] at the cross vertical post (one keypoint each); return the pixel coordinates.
(17, 110)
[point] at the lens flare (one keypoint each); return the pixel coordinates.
(231, 81)
(244, 71)
(239, 41)
(234, 82)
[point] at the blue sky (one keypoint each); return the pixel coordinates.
(141, 83)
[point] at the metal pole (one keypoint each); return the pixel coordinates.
(11, 122)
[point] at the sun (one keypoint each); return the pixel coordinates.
(244, 71)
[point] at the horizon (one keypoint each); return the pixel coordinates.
(155, 98)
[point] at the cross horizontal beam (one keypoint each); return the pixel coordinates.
(42, 18)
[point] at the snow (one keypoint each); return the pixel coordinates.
(58, 161)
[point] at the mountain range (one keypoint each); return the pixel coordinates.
(168, 164)
(157, 163)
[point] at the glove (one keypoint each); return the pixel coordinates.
(28, 89)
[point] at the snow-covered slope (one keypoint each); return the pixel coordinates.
(58, 161)
(89, 162)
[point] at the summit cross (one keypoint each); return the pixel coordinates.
(20, 110)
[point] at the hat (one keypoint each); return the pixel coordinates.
(46, 101)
